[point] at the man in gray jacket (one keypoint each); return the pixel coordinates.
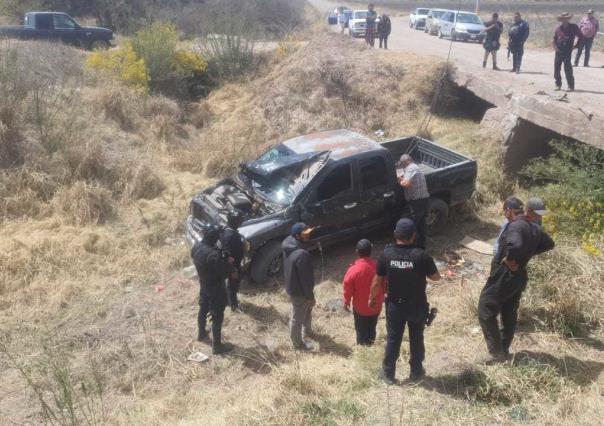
(299, 283)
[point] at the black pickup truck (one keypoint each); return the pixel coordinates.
(57, 26)
(338, 181)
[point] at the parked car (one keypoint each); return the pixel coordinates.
(433, 20)
(340, 182)
(466, 26)
(417, 19)
(58, 26)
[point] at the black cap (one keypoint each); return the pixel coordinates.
(513, 203)
(364, 247)
(537, 205)
(405, 228)
(211, 233)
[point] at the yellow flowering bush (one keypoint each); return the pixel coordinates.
(123, 64)
(187, 63)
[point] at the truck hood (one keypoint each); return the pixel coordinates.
(98, 30)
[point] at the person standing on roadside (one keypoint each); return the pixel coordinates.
(370, 25)
(357, 284)
(564, 43)
(212, 270)
(233, 245)
(518, 34)
(299, 283)
(405, 268)
(519, 240)
(384, 27)
(589, 27)
(415, 188)
(493, 30)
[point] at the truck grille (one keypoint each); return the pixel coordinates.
(474, 31)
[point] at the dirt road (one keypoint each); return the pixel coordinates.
(536, 79)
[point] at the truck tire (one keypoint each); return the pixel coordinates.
(99, 45)
(437, 214)
(267, 263)
(453, 36)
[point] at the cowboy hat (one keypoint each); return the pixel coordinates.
(565, 16)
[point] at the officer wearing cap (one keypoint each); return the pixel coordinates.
(405, 267)
(535, 210)
(299, 283)
(519, 241)
(232, 243)
(212, 270)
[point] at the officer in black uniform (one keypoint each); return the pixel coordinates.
(519, 241)
(232, 243)
(405, 267)
(212, 267)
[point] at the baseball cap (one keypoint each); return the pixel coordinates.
(298, 228)
(513, 203)
(537, 205)
(591, 11)
(364, 245)
(405, 227)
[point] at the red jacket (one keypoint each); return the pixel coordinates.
(357, 285)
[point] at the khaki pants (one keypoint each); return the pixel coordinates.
(301, 319)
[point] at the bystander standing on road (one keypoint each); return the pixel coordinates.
(493, 30)
(589, 27)
(384, 27)
(299, 284)
(416, 192)
(370, 25)
(520, 240)
(357, 284)
(405, 268)
(518, 34)
(564, 43)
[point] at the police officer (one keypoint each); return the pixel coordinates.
(519, 241)
(405, 267)
(232, 243)
(212, 270)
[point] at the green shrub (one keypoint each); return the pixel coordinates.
(571, 181)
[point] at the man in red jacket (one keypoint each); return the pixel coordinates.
(357, 283)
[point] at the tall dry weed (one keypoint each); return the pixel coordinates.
(84, 204)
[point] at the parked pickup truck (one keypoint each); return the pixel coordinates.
(57, 26)
(417, 18)
(340, 182)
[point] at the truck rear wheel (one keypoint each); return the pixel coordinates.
(267, 263)
(437, 214)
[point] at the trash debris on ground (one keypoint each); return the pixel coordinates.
(475, 330)
(379, 133)
(198, 357)
(159, 288)
(477, 245)
(455, 265)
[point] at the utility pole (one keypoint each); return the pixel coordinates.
(477, 6)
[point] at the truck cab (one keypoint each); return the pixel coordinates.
(341, 183)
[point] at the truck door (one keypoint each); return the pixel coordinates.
(334, 206)
(446, 23)
(43, 27)
(66, 29)
(378, 197)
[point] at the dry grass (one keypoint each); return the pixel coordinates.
(110, 297)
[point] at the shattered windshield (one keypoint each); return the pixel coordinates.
(280, 175)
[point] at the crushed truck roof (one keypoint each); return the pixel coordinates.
(340, 143)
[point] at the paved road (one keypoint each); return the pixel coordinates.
(536, 80)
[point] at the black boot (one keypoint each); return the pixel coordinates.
(203, 336)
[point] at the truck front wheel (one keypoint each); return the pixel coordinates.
(267, 263)
(99, 45)
(437, 213)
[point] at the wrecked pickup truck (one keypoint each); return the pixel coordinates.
(340, 182)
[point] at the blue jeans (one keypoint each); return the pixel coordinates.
(587, 43)
(397, 316)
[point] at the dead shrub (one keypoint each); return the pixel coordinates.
(11, 140)
(200, 115)
(335, 79)
(88, 163)
(84, 204)
(120, 104)
(138, 182)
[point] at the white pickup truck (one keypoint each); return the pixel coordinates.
(418, 17)
(358, 22)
